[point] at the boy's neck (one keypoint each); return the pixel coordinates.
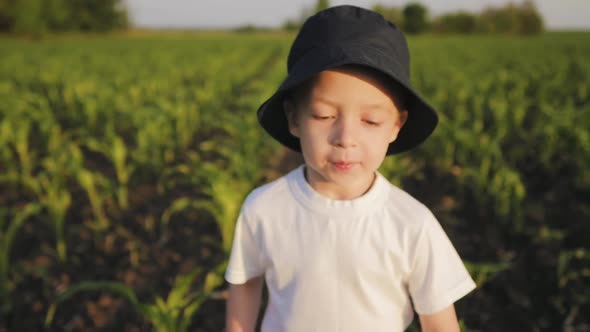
(338, 193)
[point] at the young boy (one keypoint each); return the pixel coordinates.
(340, 248)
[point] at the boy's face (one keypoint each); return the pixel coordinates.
(345, 126)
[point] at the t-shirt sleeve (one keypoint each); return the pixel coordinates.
(438, 276)
(245, 260)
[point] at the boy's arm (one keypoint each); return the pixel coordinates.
(442, 321)
(243, 305)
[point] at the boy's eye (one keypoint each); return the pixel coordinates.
(372, 123)
(321, 117)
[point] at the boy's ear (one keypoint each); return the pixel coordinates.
(401, 121)
(403, 117)
(291, 115)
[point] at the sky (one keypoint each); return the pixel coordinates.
(558, 14)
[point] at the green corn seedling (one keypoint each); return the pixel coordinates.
(87, 181)
(21, 145)
(116, 151)
(8, 232)
(123, 171)
(15, 134)
(484, 272)
(173, 314)
(227, 195)
(57, 199)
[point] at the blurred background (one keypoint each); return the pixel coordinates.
(128, 141)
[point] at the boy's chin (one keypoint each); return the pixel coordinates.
(343, 175)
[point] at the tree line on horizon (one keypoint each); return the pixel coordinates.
(414, 18)
(41, 16)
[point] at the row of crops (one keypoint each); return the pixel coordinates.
(122, 148)
(124, 162)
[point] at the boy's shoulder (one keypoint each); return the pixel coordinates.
(269, 194)
(401, 203)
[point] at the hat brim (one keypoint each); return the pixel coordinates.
(421, 121)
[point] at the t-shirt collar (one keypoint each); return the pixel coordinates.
(312, 199)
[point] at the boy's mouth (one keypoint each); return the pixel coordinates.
(341, 165)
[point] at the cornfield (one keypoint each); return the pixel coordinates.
(124, 161)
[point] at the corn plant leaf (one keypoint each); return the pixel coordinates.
(85, 286)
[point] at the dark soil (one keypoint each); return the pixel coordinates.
(135, 250)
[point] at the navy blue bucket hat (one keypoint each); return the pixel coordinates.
(349, 35)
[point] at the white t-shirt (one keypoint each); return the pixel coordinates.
(344, 265)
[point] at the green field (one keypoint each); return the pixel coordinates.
(124, 161)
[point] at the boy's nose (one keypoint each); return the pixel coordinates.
(343, 135)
